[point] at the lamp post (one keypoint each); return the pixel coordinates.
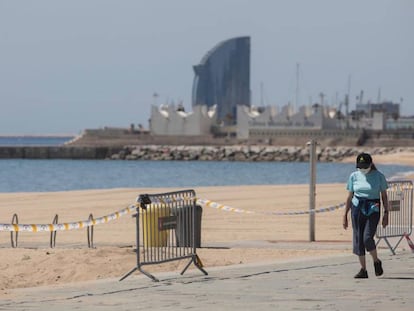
(312, 184)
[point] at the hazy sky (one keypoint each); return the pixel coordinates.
(70, 65)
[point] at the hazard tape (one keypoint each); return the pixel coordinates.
(219, 206)
(66, 226)
(222, 207)
(105, 219)
(82, 224)
(238, 210)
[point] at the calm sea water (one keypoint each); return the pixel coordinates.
(23, 175)
(33, 140)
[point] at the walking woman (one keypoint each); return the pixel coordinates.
(367, 187)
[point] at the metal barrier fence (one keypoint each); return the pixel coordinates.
(400, 206)
(168, 227)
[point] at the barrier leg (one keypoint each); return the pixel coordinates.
(392, 248)
(13, 238)
(398, 243)
(389, 246)
(53, 233)
(89, 233)
(128, 274)
(197, 263)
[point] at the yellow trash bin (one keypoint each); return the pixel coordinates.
(153, 235)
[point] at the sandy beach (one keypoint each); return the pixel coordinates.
(228, 238)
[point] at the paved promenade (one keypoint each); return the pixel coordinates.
(314, 284)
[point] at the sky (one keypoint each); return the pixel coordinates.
(66, 66)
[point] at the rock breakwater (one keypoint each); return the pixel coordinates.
(194, 153)
(244, 153)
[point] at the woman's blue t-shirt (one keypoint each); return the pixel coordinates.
(367, 186)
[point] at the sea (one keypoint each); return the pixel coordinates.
(27, 175)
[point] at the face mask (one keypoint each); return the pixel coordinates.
(364, 170)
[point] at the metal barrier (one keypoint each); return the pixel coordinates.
(400, 206)
(168, 228)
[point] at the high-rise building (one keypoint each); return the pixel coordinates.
(222, 79)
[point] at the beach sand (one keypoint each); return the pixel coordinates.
(227, 238)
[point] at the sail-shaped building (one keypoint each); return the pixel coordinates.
(222, 79)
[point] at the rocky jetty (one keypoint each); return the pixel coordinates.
(195, 153)
(244, 153)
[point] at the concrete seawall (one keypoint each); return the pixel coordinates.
(56, 152)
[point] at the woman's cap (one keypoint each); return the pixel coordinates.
(363, 160)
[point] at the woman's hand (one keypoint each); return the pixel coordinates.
(345, 222)
(385, 220)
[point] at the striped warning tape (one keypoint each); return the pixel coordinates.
(219, 206)
(66, 226)
(105, 219)
(222, 207)
(238, 210)
(81, 224)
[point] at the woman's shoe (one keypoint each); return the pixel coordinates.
(378, 268)
(362, 274)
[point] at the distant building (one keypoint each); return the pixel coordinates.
(400, 123)
(390, 109)
(222, 79)
(254, 122)
(174, 121)
(222, 108)
(377, 116)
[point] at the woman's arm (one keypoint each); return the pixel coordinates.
(347, 208)
(384, 198)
